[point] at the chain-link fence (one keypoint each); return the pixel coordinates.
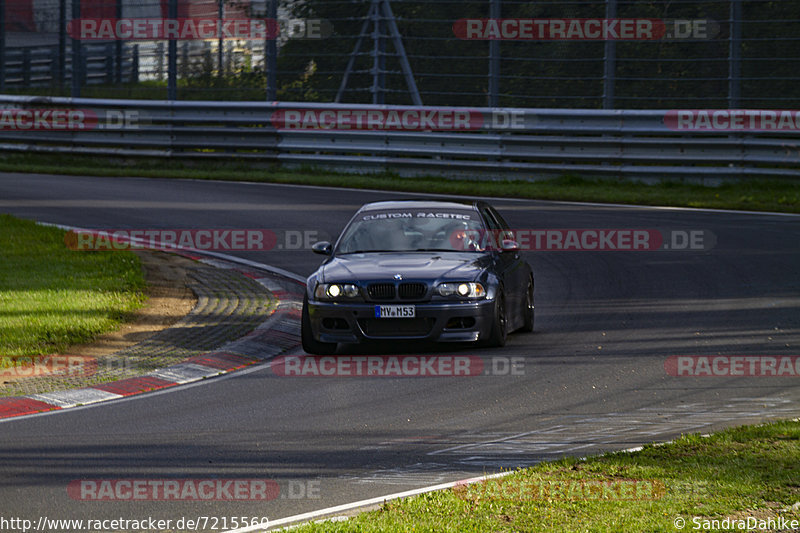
(629, 54)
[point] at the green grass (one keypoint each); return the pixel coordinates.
(741, 472)
(213, 89)
(755, 194)
(51, 297)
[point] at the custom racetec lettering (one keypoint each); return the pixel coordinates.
(441, 215)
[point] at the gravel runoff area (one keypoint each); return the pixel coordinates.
(230, 304)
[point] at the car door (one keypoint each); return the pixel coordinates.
(510, 265)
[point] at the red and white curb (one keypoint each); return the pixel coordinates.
(279, 332)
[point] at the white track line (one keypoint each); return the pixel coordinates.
(310, 516)
(305, 517)
(504, 199)
(461, 196)
(173, 247)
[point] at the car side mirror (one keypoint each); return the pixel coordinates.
(322, 247)
(507, 245)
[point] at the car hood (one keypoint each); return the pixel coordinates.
(413, 265)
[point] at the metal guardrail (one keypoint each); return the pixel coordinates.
(543, 143)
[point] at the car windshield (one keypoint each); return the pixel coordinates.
(413, 230)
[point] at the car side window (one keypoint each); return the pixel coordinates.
(499, 218)
(491, 221)
(496, 224)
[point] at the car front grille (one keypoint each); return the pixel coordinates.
(412, 291)
(381, 291)
(390, 291)
(396, 327)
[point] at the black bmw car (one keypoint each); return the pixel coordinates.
(421, 270)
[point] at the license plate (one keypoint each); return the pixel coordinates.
(394, 311)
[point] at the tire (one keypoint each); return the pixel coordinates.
(499, 334)
(528, 309)
(310, 344)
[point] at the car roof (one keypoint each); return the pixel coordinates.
(421, 204)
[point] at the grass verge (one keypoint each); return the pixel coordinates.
(756, 194)
(52, 297)
(745, 473)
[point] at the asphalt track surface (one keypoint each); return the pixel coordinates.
(594, 374)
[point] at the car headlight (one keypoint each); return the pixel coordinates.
(461, 290)
(335, 291)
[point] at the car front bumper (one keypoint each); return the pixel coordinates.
(345, 322)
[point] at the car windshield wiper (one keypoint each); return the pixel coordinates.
(403, 251)
(366, 251)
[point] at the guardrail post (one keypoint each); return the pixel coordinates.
(735, 55)
(26, 67)
(135, 65)
(172, 56)
(271, 51)
(185, 58)
(610, 63)
(494, 59)
(113, 70)
(160, 60)
(77, 55)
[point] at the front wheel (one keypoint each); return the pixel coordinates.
(310, 344)
(499, 334)
(527, 311)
